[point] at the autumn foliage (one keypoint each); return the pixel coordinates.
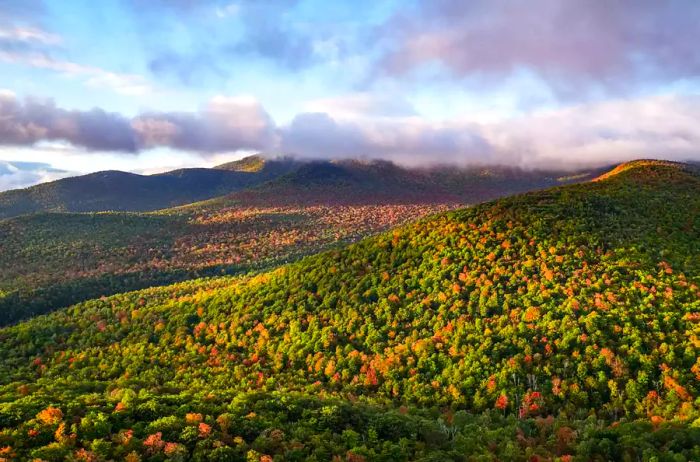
(577, 340)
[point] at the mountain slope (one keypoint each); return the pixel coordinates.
(580, 301)
(48, 261)
(120, 191)
(362, 182)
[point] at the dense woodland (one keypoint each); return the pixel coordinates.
(316, 206)
(556, 325)
(109, 253)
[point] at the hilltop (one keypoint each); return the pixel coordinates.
(647, 166)
(52, 260)
(254, 163)
(553, 325)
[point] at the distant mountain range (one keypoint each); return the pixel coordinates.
(355, 181)
(121, 191)
(361, 180)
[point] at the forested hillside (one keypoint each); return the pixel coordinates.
(376, 181)
(48, 261)
(121, 191)
(555, 325)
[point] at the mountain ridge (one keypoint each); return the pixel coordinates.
(361, 181)
(114, 190)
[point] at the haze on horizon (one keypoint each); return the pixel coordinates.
(150, 86)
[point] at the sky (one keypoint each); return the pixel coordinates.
(147, 86)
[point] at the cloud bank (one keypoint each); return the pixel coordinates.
(223, 124)
(586, 134)
(573, 45)
(25, 123)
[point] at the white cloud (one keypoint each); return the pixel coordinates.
(127, 84)
(581, 135)
(223, 124)
(362, 105)
(17, 174)
(579, 47)
(29, 35)
(658, 127)
(584, 135)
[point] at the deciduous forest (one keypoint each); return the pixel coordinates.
(555, 325)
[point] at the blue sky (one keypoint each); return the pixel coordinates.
(150, 85)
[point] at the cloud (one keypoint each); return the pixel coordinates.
(16, 40)
(665, 127)
(591, 134)
(271, 34)
(32, 46)
(188, 68)
(228, 10)
(28, 122)
(576, 46)
(582, 135)
(224, 124)
(222, 36)
(28, 34)
(12, 10)
(581, 49)
(404, 140)
(14, 174)
(363, 104)
(127, 84)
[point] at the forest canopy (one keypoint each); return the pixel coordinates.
(555, 325)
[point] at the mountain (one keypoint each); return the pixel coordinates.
(121, 191)
(53, 260)
(361, 182)
(554, 325)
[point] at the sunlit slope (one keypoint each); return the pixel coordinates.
(563, 285)
(576, 301)
(643, 164)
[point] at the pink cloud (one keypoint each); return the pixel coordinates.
(586, 134)
(572, 44)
